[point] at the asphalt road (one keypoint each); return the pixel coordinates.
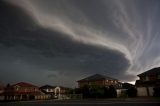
(86, 103)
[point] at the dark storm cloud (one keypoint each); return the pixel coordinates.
(29, 50)
(70, 39)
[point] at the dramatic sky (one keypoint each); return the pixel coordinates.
(58, 42)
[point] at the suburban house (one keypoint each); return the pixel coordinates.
(147, 81)
(23, 91)
(1, 92)
(54, 91)
(1, 89)
(99, 80)
(48, 89)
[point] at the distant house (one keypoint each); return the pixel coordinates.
(1, 92)
(99, 80)
(147, 81)
(1, 89)
(127, 85)
(48, 89)
(23, 91)
(54, 91)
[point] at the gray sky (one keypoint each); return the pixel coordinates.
(58, 42)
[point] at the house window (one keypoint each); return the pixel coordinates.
(25, 90)
(152, 77)
(35, 89)
(47, 90)
(51, 90)
(17, 88)
(147, 78)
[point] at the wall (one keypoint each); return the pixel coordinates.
(1, 97)
(121, 93)
(144, 91)
(150, 91)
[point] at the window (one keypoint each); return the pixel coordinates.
(147, 78)
(35, 89)
(47, 90)
(17, 88)
(25, 90)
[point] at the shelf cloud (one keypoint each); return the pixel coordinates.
(60, 41)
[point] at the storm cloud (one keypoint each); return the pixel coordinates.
(58, 42)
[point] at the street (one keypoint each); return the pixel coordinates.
(85, 103)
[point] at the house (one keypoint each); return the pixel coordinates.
(64, 90)
(147, 81)
(54, 91)
(1, 89)
(23, 91)
(48, 89)
(1, 92)
(99, 80)
(122, 92)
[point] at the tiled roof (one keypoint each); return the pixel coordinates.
(24, 84)
(9, 90)
(96, 77)
(152, 71)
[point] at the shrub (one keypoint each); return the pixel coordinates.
(156, 92)
(112, 93)
(94, 91)
(132, 92)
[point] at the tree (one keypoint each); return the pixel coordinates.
(96, 91)
(84, 91)
(156, 92)
(106, 92)
(132, 92)
(112, 92)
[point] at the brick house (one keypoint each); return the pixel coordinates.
(1, 89)
(1, 92)
(22, 91)
(54, 91)
(147, 81)
(99, 80)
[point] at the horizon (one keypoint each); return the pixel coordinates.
(59, 42)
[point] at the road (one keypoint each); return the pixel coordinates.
(85, 103)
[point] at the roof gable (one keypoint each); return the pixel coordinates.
(24, 84)
(96, 77)
(152, 71)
